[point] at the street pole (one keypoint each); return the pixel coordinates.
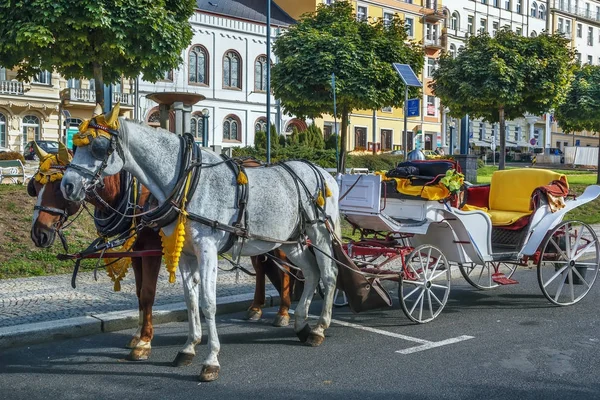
(335, 130)
(107, 98)
(374, 132)
(405, 133)
(268, 81)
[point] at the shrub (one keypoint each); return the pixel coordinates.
(381, 162)
(480, 163)
(12, 155)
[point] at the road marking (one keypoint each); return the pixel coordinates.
(432, 345)
(381, 332)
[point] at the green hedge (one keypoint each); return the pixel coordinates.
(12, 155)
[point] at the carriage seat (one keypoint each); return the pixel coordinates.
(507, 199)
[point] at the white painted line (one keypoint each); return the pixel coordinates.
(432, 345)
(381, 332)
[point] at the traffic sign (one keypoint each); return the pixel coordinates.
(493, 145)
(412, 108)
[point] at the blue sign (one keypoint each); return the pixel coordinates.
(412, 108)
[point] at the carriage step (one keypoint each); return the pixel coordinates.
(501, 279)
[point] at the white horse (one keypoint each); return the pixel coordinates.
(281, 212)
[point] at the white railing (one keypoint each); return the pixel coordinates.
(89, 96)
(432, 42)
(123, 98)
(568, 7)
(11, 87)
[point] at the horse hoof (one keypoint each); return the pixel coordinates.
(139, 354)
(304, 333)
(209, 373)
(254, 315)
(315, 340)
(183, 359)
(133, 342)
(281, 320)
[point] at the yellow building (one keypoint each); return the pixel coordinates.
(425, 21)
(47, 108)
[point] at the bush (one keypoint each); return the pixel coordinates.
(480, 163)
(381, 162)
(12, 155)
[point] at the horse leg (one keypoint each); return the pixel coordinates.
(304, 259)
(136, 263)
(255, 311)
(191, 286)
(208, 264)
(150, 268)
(283, 317)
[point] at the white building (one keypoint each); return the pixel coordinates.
(226, 63)
(579, 20)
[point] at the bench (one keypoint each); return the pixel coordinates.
(13, 170)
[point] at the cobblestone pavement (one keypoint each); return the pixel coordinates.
(39, 299)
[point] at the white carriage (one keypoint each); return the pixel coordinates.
(422, 241)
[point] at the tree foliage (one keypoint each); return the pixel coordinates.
(359, 53)
(504, 77)
(99, 39)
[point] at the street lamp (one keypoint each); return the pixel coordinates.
(205, 115)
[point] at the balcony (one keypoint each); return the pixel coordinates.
(89, 96)
(14, 88)
(433, 43)
(432, 12)
(565, 7)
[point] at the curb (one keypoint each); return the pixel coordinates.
(40, 332)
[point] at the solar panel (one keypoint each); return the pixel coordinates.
(407, 74)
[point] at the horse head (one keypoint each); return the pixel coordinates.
(95, 157)
(51, 209)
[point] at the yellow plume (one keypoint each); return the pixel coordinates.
(327, 191)
(320, 199)
(242, 179)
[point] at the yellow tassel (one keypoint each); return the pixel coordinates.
(117, 287)
(242, 179)
(327, 191)
(320, 199)
(46, 163)
(172, 277)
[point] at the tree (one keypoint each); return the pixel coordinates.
(505, 77)
(98, 39)
(359, 53)
(581, 108)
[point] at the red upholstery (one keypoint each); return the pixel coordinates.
(478, 196)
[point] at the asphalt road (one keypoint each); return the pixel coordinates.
(521, 348)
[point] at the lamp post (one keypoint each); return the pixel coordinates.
(205, 115)
(268, 81)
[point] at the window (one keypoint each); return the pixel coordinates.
(568, 26)
(361, 13)
(533, 34)
(519, 8)
(482, 25)
(517, 133)
(2, 74)
(542, 12)
(386, 109)
(481, 130)
(494, 28)
(519, 31)
(597, 13)
(483, 1)
(387, 19)
(260, 74)
(232, 71)
(360, 138)
(43, 77)
(74, 83)
(579, 30)
(590, 60)
(198, 65)
(534, 10)
(590, 36)
(327, 130)
(507, 5)
(168, 76)
(197, 127)
(31, 129)
(561, 25)
(386, 139)
(578, 58)
(231, 128)
(260, 125)
(455, 21)
(496, 3)
(470, 24)
(3, 130)
(409, 23)
(431, 65)
(452, 51)
(117, 88)
(587, 10)
(431, 32)
(431, 105)
(154, 119)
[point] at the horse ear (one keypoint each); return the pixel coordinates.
(39, 152)
(113, 115)
(97, 111)
(63, 154)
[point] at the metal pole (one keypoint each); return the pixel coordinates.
(107, 98)
(337, 136)
(405, 133)
(374, 132)
(269, 81)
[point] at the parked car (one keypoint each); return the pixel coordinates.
(49, 146)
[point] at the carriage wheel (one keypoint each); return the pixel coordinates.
(481, 276)
(424, 284)
(568, 264)
(339, 296)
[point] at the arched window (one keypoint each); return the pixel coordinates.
(198, 65)
(452, 51)
(260, 125)
(31, 129)
(232, 70)
(3, 138)
(533, 34)
(295, 123)
(455, 21)
(260, 74)
(534, 9)
(542, 12)
(232, 128)
(154, 119)
(197, 127)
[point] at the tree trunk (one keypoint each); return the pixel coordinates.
(343, 140)
(99, 84)
(502, 161)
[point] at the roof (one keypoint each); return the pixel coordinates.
(253, 10)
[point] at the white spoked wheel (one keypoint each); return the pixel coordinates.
(424, 284)
(482, 276)
(568, 264)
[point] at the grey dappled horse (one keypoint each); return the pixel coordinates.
(276, 202)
